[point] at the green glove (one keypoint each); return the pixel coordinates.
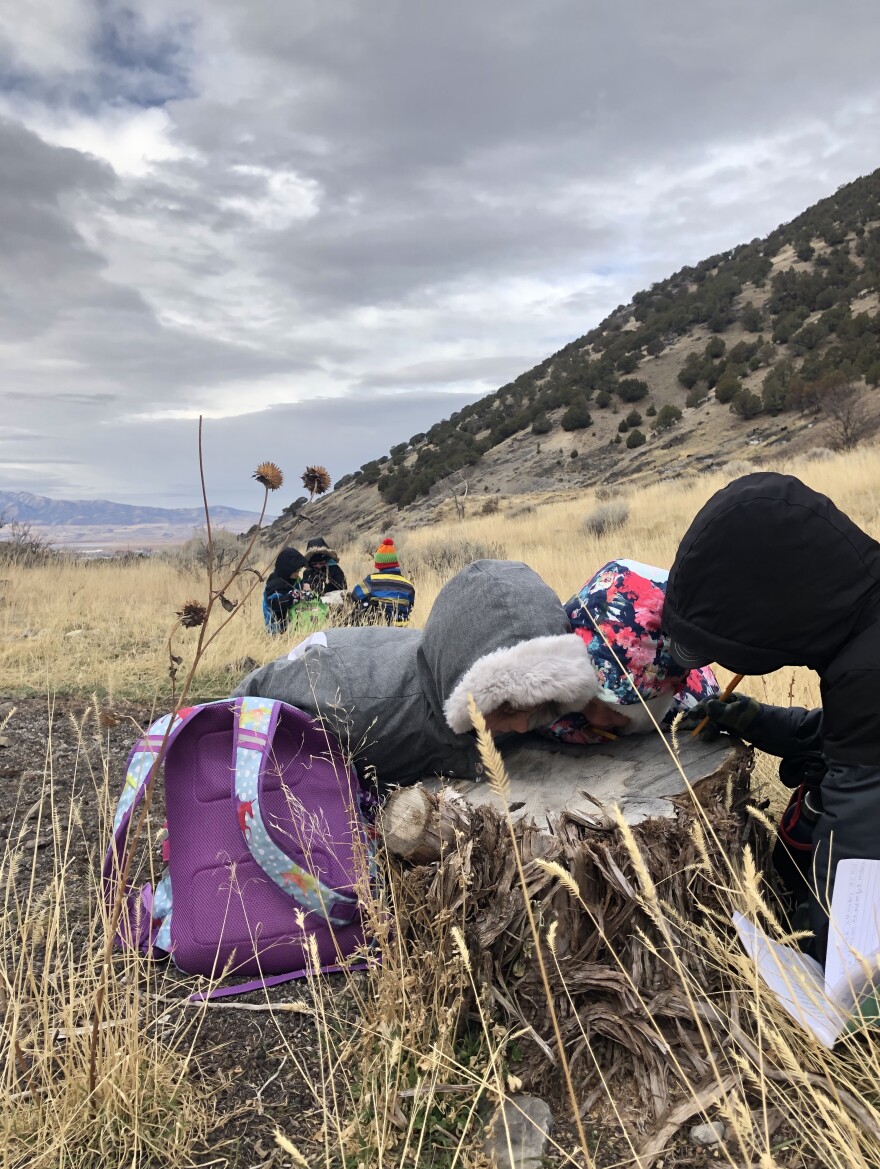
(734, 715)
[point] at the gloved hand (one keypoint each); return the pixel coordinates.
(734, 715)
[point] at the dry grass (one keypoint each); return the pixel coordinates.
(445, 1032)
(86, 628)
(150, 1105)
(419, 1048)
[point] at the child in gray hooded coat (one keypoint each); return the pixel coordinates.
(397, 698)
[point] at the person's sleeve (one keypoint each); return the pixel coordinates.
(337, 577)
(849, 826)
(359, 593)
(786, 730)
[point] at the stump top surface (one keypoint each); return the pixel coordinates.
(637, 773)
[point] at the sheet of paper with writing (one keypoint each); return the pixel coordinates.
(795, 979)
(851, 961)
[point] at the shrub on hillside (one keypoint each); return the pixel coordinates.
(775, 387)
(634, 439)
(727, 387)
(843, 403)
(541, 424)
(751, 318)
(632, 389)
(445, 557)
(628, 362)
(193, 556)
(668, 416)
(634, 418)
(746, 405)
(689, 374)
(576, 417)
(603, 399)
(695, 397)
(606, 517)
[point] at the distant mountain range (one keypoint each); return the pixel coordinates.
(103, 513)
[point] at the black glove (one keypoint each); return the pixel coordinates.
(734, 715)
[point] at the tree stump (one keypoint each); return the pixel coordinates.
(550, 782)
(619, 982)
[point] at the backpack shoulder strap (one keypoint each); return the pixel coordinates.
(148, 753)
(255, 723)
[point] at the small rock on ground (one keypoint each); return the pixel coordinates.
(708, 1134)
(518, 1133)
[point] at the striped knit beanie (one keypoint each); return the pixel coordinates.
(386, 556)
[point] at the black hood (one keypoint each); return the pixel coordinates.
(288, 564)
(770, 574)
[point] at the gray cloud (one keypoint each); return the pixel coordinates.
(125, 456)
(232, 209)
(457, 369)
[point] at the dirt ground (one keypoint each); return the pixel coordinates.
(243, 1049)
(245, 1046)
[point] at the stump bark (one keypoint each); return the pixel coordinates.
(641, 775)
(617, 978)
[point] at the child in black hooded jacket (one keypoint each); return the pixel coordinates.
(771, 574)
(283, 589)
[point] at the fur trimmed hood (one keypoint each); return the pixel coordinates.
(553, 673)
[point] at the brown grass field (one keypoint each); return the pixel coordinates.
(398, 1067)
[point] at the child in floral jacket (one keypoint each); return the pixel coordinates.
(618, 614)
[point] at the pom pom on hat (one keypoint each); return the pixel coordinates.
(386, 555)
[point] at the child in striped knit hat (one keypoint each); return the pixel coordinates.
(384, 596)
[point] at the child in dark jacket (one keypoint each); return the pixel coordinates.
(771, 574)
(384, 596)
(283, 590)
(323, 572)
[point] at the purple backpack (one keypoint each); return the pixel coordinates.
(268, 843)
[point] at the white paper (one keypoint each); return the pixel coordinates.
(795, 979)
(854, 931)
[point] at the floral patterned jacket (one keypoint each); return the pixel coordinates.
(618, 613)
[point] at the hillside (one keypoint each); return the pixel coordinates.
(770, 348)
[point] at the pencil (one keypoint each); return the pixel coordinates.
(726, 693)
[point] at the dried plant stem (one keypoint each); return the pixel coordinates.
(208, 533)
(131, 845)
(488, 752)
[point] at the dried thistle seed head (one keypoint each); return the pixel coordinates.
(316, 480)
(192, 615)
(270, 475)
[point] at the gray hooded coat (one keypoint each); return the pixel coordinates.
(396, 699)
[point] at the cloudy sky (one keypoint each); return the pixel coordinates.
(325, 224)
